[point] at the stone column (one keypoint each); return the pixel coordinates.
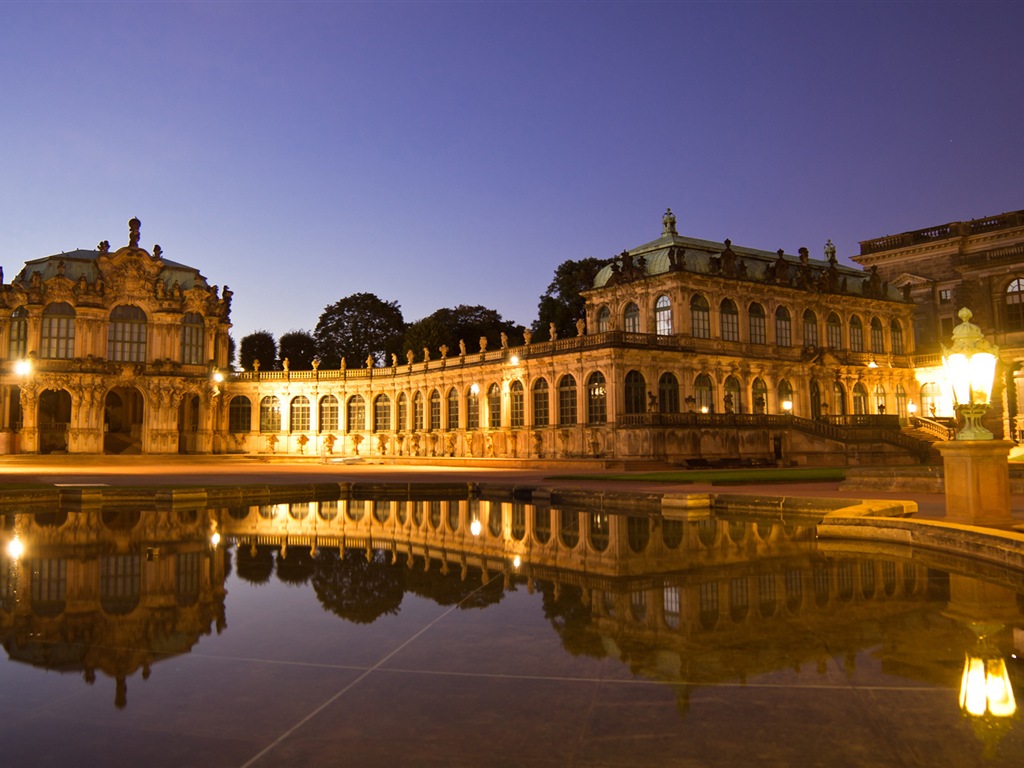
(977, 481)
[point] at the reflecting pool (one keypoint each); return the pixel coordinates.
(476, 632)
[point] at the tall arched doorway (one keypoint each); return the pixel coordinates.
(54, 416)
(123, 412)
(188, 424)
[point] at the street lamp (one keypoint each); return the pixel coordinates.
(976, 474)
(970, 363)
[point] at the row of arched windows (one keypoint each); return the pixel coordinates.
(429, 415)
(127, 334)
(756, 323)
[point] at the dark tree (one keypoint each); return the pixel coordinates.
(562, 304)
(299, 347)
(232, 350)
(468, 323)
(359, 326)
(261, 346)
(358, 589)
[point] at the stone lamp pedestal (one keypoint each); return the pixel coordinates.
(977, 480)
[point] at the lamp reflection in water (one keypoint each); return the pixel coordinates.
(15, 549)
(985, 687)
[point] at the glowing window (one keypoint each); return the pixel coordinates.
(730, 318)
(18, 343)
(700, 318)
(58, 331)
(329, 414)
(663, 316)
(541, 407)
(597, 399)
(192, 331)
(567, 400)
(270, 414)
(516, 404)
(126, 334)
(382, 414)
(298, 414)
(631, 318)
(356, 421)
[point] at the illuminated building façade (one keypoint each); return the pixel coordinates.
(977, 264)
(691, 350)
(110, 352)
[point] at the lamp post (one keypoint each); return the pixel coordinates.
(970, 363)
(976, 471)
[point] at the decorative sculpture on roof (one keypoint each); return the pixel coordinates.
(668, 223)
(779, 271)
(104, 246)
(133, 232)
(157, 251)
(725, 264)
(830, 252)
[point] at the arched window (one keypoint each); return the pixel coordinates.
(733, 397)
(126, 334)
(567, 400)
(1015, 305)
(877, 336)
(730, 317)
(473, 407)
(435, 411)
(901, 401)
(704, 392)
(516, 404)
(631, 318)
(758, 334)
(810, 328)
(417, 411)
(896, 337)
(192, 330)
(58, 331)
(880, 404)
(785, 395)
(453, 409)
(759, 393)
(298, 414)
(700, 318)
(668, 393)
(270, 414)
(17, 347)
(239, 415)
(597, 399)
(403, 411)
(604, 320)
(541, 403)
(663, 316)
(636, 392)
(860, 399)
(834, 331)
(382, 414)
(494, 406)
(328, 414)
(856, 334)
(839, 396)
(783, 327)
(356, 421)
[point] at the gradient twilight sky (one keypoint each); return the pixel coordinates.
(444, 153)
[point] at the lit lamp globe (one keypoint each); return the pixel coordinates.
(970, 363)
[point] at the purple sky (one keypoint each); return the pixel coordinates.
(444, 153)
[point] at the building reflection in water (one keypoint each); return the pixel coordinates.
(109, 591)
(690, 600)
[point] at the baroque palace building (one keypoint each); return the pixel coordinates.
(111, 351)
(978, 264)
(691, 350)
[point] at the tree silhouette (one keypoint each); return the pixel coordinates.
(299, 347)
(259, 345)
(562, 303)
(357, 327)
(357, 589)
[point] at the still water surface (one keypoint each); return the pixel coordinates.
(487, 633)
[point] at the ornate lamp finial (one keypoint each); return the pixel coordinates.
(133, 232)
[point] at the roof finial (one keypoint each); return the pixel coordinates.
(133, 232)
(668, 223)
